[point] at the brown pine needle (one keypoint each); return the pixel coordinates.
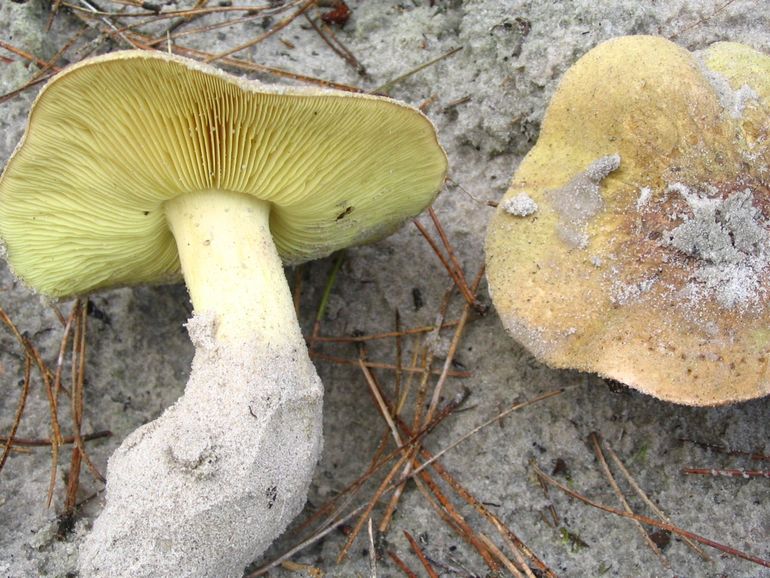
(330, 39)
(10, 441)
(305, 543)
(311, 571)
(446, 510)
(265, 8)
(386, 88)
(551, 508)
(56, 436)
(455, 263)
(728, 473)
(438, 389)
(78, 381)
(57, 381)
(32, 443)
(24, 54)
(596, 442)
(390, 366)
(505, 532)
(200, 30)
(452, 517)
(408, 572)
(650, 504)
(649, 521)
(756, 456)
(280, 25)
(374, 389)
(421, 555)
(510, 566)
(352, 488)
(381, 489)
(246, 66)
(372, 552)
(460, 283)
(26, 86)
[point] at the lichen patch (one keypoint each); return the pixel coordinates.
(728, 240)
(521, 205)
(580, 200)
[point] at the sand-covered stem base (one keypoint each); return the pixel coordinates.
(204, 489)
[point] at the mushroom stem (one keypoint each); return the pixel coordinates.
(231, 266)
(207, 487)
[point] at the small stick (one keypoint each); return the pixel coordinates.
(651, 522)
(420, 555)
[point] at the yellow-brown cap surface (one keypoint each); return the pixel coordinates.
(112, 138)
(634, 240)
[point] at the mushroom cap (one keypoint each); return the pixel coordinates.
(112, 138)
(634, 240)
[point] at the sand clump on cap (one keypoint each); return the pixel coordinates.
(648, 257)
(141, 167)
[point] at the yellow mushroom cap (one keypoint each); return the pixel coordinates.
(112, 138)
(634, 240)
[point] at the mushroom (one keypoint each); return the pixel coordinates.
(142, 167)
(634, 241)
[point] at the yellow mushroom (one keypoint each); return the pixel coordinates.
(634, 240)
(141, 167)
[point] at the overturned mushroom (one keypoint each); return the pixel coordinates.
(644, 250)
(141, 167)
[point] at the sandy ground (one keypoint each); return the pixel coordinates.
(487, 102)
